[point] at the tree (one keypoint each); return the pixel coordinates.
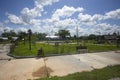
(9, 34)
(92, 37)
(41, 36)
(22, 35)
(63, 33)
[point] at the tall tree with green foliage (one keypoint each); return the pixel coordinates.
(63, 33)
(41, 36)
(9, 34)
(22, 36)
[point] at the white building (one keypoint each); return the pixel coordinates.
(4, 38)
(52, 37)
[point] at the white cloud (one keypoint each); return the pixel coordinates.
(3, 27)
(97, 17)
(86, 19)
(105, 28)
(35, 22)
(44, 2)
(65, 23)
(113, 14)
(90, 21)
(23, 29)
(28, 15)
(32, 13)
(66, 11)
(14, 19)
(63, 19)
(37, 10)
(39, 7)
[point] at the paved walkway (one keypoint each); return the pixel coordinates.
(115, 79)
(63, 65)
(4, 50)
(23, 69)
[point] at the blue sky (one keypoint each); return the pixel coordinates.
(49, 16)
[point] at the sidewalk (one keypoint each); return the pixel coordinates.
(4, 50)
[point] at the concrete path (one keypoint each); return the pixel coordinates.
(19, 69)
(32, 68)
(4, 50)
(63, 65)
(99, 60)
(115, 79)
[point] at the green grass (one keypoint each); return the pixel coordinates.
(4, 42)
(97, 74)
(102, 48)
(23, 50)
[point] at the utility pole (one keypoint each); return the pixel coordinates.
(24, 34)
(29, 33)
(77, 34)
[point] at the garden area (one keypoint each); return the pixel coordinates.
(28, 43)
(59, 49)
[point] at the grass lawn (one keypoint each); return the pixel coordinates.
(4, 42)
(23, 50)
(102, 48)
(97, 74)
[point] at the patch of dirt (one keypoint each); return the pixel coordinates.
(42, 72)
(117, 51)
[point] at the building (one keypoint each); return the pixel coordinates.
(110, 38)
(52, 37)
(4, 38)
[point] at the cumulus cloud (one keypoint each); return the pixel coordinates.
(93, 19)
(31, 13)
(39, 7)
(23, 29)
(44, 2)
(113, 14)
(15, 19)
(97, 17)
(89, 20)
(3, 27)
(66, 11)
(37, 10)
(105, 28)
(35, 22)
(65, 23)
(86, 19)
(92, 22)
(63, 19)
(28, 15)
